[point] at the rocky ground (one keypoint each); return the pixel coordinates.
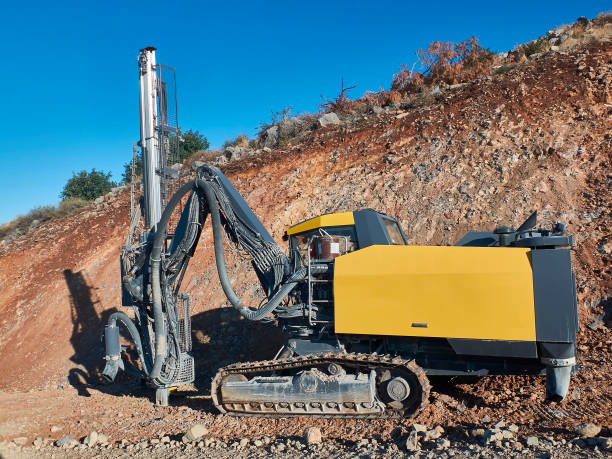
(536, 137)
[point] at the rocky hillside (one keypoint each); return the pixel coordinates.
(536, 136)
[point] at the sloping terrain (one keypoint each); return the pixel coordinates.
(538, 137)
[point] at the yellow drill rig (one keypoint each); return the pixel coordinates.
(366, 317)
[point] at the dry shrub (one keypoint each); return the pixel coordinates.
(371, 99)
(391, 97)
(534, 47)
(445, 63)
(340, 104)
(359, 106)
(205, 156)
(423, 97)
(602, 19)
(39, 215)
(241, 140)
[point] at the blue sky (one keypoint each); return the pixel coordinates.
(70, 84)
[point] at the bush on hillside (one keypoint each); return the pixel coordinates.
(534, 47)
(340, 104)
(191, 142)
(241, 140)
(39, 215)
(445, 63)
(87, 185)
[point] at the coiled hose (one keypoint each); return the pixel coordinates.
(113, 347)
(156, 293)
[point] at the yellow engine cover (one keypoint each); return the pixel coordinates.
(445, 292)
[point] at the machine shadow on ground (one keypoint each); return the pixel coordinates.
(220, 337)
(87, 341)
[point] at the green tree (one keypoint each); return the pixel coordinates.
(192, 141)
(126, 177)
(87, 185)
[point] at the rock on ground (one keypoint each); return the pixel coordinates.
(329, 118)
(312, 436)
(588, 430)
(66, 442)
(194, 433)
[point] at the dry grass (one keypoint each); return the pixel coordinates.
(40, 215)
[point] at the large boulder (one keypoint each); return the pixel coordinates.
(270, 137)
(329, 119)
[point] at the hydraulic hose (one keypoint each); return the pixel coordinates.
(133, 331)
(156, 293)
(246, 312)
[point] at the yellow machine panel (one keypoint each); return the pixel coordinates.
(446, 292)
(338, 219)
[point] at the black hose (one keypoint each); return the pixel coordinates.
(133, 331)
(246, 312)
(218, 243)
(156, 293)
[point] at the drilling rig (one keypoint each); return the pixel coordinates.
(366, 317)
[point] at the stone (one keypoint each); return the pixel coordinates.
(258, 443)
(99, 200)
(513, 428)
(235, 153)
(38, 442)
(443, 443)
(243, 442)
(197, 164)
(532, 441)
(412, 442)
(312, 436)
(419, 428)
(434, 433)
(270, 137)
(477, 433)
(91, 439)
(194, 433)
(587, 430)
(492, 435)
(377, 110)
(484, 418)
(21, 441)
(329, 119)
(66, 442)
(500, 425)
(266, 149)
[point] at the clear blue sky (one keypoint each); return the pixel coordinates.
(69, 72)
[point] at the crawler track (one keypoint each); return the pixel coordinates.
(355, 362)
